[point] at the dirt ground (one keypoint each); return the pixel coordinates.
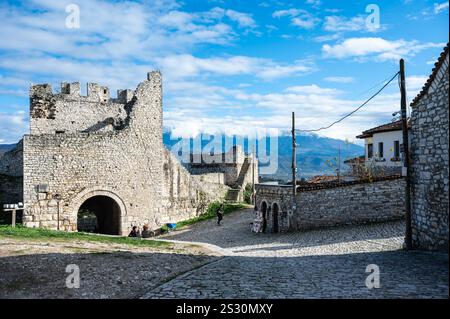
(37, 269)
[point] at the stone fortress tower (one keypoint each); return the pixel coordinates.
(106, 155)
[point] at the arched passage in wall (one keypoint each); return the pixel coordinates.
(275, 211)
(112, 203)
(99, 214)
(264, 215)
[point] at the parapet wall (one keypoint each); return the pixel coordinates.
(430, 160)
(354, 204)
(68, 111)
(332, 205)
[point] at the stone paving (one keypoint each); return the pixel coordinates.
(325, 263)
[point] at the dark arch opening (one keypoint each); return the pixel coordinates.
(275, 218)
(99, 214)
(264, 215)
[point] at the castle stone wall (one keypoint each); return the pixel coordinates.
(127, 162)
(355, 203)
(429, 163)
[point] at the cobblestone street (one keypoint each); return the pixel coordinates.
(326, 263)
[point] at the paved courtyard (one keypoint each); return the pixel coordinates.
(326, 263)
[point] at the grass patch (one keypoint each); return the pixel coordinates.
(46, 234)
(210, 213)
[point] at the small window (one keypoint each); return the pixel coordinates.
(380, 150)
(104, 91)
(369, 150)
(396, 149)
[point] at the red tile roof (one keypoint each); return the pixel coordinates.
(435, 70)
(394, 126)
(356, 160)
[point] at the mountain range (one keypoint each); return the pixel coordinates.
(315, 155)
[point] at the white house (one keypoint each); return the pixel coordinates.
(383, 147)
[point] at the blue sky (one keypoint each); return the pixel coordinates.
(228, 66)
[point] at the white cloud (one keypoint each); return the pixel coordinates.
(440, 7)
(13, 126)
(312, 89)
(299, 17)
(327, 37)
(377, 48)
(315, 3)
(316, 106)
(414, 83)
(339, 79)
(117, 43)
(340, 24)
(179, 66)
(243, 19)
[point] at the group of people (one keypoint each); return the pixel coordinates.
(146, 233)
(137, 233)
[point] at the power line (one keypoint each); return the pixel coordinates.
(355, 110)
(374, 86)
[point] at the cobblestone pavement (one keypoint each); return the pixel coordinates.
(326, 263)
(37, 268)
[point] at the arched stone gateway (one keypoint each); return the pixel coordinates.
(99, 214)
(264, 216)
(275, 211)
(99, 211)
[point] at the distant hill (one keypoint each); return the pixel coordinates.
(315, 155)
(6, 147)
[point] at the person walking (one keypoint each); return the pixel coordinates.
(219, 214)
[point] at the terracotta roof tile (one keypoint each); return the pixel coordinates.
(394, 126)
(435, 70)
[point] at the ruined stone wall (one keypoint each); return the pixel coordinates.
(70, 112)
(429, 163)
(185, 195)
(229, 171)
(216, 178)
(353, 203)
(127, 162)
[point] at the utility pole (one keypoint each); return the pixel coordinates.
(408, 231)
(339, 164)
(253, 174)
(294, 166)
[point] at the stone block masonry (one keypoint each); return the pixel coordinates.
(106, 155)
(429, 160)
(330, 205)
(353, 204)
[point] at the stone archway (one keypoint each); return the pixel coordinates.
(99, 214)
(264, 215)
(105, 206)
(275, 212)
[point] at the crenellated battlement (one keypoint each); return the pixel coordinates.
(95, 93)
(70, 111)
